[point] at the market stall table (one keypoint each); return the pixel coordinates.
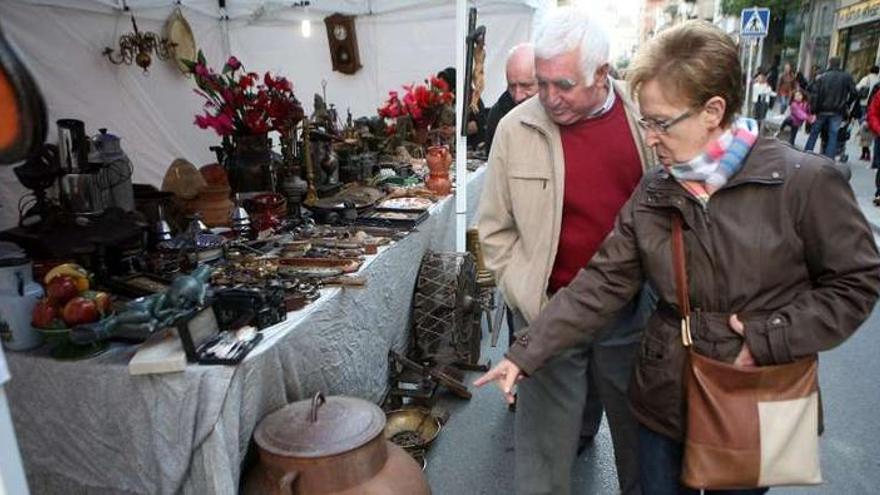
(91, 427)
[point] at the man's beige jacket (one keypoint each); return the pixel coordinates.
(520, 212)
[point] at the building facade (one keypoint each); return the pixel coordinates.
(857, 30)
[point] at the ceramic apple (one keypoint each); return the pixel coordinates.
(80, 310)
(46, 315)
(62, 289)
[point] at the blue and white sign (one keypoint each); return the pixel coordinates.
(754, 22)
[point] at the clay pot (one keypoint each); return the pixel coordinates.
(438, 159)
(215, 175)
(214, 205)
(332, 447)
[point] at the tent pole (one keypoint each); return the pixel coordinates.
(461, 137)
(224, 29)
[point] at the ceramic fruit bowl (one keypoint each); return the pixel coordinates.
(62, 348)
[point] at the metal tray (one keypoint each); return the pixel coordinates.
(392, 218)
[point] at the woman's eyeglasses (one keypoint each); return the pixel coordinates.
(662, 126)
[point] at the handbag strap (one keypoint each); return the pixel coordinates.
(681, 281)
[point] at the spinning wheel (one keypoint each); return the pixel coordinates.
(447, 310)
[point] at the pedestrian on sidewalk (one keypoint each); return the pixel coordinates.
(560, 168)
(873, 120)
(864, 87)
(799, 112)
(832, 95)
(785, 87)
(761, 95)
(866, 84)
(780, 259)
(772, 75)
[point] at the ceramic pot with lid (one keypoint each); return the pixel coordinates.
(331, 447)
(438, 159)
(18, 296)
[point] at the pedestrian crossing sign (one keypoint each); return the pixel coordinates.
(754, 22)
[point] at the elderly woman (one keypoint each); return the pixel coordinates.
(781, 261)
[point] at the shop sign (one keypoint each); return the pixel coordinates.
(859, 13)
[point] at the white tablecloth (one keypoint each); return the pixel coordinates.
(90, 427)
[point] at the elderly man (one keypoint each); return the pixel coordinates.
(521, 84)
(561, 167)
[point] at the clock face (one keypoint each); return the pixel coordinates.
(340, 32)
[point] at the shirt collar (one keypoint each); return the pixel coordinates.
(609, 102)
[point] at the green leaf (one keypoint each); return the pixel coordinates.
(777, 7)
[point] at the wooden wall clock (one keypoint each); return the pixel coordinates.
(343, 43)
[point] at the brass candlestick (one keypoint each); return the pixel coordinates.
(312, 193)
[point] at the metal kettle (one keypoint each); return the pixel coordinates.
(331, 447)
(116, 169)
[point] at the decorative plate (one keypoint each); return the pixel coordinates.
(406, 203)
(178, 32)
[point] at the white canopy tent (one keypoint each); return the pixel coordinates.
(400, 42)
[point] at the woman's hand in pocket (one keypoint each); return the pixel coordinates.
(744, 359)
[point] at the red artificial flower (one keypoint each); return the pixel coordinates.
(283, 84)
(202, 71)
(421, 103)
(255, 121)
(422, 97)
(277, 108)
(439, 84)
(232, 64)
(245, 104)
(221, 124)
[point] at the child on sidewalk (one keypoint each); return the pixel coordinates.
(799, 112)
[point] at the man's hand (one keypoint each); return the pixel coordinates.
(506, 374)
(744, 359)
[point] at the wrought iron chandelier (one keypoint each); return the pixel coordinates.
(137, 46)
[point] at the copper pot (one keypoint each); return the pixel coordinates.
(331, 447)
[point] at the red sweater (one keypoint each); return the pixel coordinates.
(602, 168)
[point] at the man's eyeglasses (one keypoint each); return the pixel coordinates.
(662, 126)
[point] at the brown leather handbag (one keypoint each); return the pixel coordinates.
(746, 427)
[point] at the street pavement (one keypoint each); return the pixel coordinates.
(474, 452)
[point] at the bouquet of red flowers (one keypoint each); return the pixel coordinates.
(242, 103)
(421, 103)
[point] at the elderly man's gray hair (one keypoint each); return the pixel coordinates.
(567, 28)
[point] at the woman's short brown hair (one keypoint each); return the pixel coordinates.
(694, 61)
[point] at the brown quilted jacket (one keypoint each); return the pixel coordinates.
(783, 245)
